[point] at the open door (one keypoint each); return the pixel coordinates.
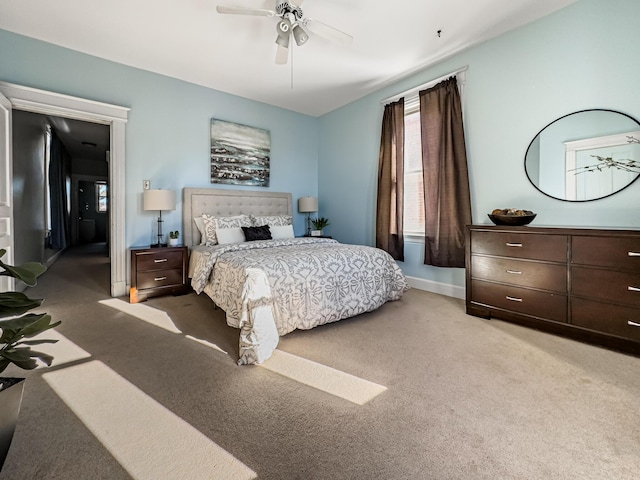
(6, 190)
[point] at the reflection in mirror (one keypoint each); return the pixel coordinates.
(585, 155)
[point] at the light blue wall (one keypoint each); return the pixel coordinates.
(167, 136)
(578, 58)
(581, 57)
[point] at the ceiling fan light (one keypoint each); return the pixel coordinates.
(283, 40)
(300, 34)
(283, 26)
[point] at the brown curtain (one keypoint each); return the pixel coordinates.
(446, 179)
(389, 213)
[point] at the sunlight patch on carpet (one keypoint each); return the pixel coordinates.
(148, 440)
(208, 344)
(327, 379)
(65, 351)
(146, 313)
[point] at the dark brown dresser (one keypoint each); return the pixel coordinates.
(579, 282)
(158, 271)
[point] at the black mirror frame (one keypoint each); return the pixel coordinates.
(557, 120)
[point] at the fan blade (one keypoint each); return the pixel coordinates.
(328, 31)
(282, 55)
(244, 11)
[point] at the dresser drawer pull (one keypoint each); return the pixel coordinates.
(633, 289)
(516, 272)
(633, 324)
(514, 299)
(160, 260)
(634, 254)
(158, 279)
(509, 244)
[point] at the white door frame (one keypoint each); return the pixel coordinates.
(49, 103)
(6, 188)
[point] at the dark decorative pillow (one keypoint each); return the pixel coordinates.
(257, 233)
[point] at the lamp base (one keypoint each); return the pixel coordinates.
(158, 245)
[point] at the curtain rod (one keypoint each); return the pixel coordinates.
(415, 90)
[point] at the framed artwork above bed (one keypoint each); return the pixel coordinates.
(240, 155)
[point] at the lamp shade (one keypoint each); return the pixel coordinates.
(159, 200)
(307, 204)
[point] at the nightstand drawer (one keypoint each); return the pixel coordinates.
(519, 272)
(159, 260)
(159, 278)
(520, 245)
(608, 285)
(550, 306)
(158, 271)
(603, 317)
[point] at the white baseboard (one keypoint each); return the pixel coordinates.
(54, 258)
(437, 287)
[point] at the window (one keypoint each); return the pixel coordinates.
(413, 182)
(102, 199)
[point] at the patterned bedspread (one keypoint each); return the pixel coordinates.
(272, 287)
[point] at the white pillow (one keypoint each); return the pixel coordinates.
(212, 224)
(282, 231)
(271, 220)
(230, 235)
(200, 225)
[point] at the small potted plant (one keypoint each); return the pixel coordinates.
(173, 238)
(16, 328)
(319, 224)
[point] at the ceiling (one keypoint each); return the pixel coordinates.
(83, 140)
(189, 40)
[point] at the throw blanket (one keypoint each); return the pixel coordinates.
(272, 287)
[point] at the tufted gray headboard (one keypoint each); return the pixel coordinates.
(224, 203)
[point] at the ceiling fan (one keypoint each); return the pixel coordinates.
(291, 22)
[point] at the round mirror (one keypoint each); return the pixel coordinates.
(585, 155)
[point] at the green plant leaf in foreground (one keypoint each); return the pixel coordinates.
(16, 303)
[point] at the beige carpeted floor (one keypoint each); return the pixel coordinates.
(465, 398)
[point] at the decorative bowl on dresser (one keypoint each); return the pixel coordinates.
(158, 271)
(579, 282)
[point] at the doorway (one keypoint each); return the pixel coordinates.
(115, 117)
(61, 178)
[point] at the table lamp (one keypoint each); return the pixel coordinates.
(308, 205)
(159, 200)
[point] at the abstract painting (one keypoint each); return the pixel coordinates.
(240, 154)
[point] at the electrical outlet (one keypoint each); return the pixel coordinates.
(146, 184)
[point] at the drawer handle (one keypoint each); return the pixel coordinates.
(157, 279)
(514, 272)
(514, 299)
(633, 324)
(160, 260)
(633, 289)
(634, 254)
(509, 244)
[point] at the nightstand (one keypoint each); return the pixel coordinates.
(158, 271)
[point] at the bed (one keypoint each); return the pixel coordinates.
(269, 287)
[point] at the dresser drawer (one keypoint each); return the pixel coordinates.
(602, 317)
(550, 306)
(520, 272)
(159, 278)
(159, 260)
(534, 246)
(614, 252)
(608, 285)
